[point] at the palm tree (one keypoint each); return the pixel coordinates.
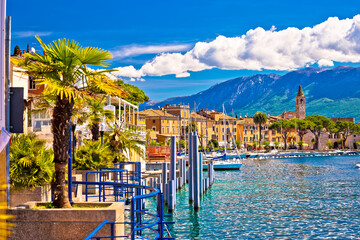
(124, 141)
(64, 72)
(260, 118)
(31, 164)
(94, 115)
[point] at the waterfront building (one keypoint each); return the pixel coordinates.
(165, 124)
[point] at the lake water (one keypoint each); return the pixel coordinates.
(294, 198)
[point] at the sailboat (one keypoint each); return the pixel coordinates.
(227, 161)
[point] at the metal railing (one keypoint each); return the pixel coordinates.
(119, 184)
(137, 212)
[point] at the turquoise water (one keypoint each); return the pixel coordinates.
(295, 198)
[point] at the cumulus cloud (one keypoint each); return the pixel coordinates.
(332, 40)
(325, 63)
(135, 50)
(26, 34)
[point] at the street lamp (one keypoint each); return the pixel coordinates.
(102, 133)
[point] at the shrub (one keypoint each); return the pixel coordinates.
(92, 155)
(213, 143)
(329, 144)
(267, 145)
(31, 163)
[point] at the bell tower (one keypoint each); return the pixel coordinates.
(300, 104)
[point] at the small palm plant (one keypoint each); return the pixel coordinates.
(94, 115)
(123, 142)
(93, 155)
(64, 71)
(31, 164)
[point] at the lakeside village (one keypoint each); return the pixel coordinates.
(109, 156)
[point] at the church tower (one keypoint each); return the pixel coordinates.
(300, 104)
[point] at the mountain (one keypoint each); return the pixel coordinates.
(329, 92)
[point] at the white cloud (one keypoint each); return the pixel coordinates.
(181, 75)
(26, 34)
(135, 50)
(325, 63)
(291, 48)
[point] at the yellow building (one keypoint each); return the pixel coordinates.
(164, 123)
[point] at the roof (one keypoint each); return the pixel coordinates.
(300, 92)
(156, 113)
(198, 116)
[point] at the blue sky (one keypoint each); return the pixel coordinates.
(139, 31)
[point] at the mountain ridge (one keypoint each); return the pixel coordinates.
(330, 92)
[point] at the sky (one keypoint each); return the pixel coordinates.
(176, 48)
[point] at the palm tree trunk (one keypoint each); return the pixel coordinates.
(95, 131)
(260, 136)
(61, 145)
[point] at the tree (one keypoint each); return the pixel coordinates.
(267, 145)
(135, 94)
(346, 129)
(64, 73)
(181, 144)
(238, 144)
(17, 50)
(300, 144)
(94, 115)
(123, 142)
(260, 118)
(329, 144)
(31, 164)
(213, 143)
(284, 126)
(319, 125)
(276, 144)
(302, 126)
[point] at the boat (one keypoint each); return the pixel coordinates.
(357, 165)
(225, 165)
(226, 156)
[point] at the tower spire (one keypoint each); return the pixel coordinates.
(300, 92)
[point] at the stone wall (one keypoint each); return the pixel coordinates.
(65, 224)
(40, 194)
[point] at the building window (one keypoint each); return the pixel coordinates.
(153, 121)
(217, 129)
(245, 131)
(163, 130)
(234, 130)
(173, 130)
(32, 83)
(167, 130)
(154, 128)
(222, 129)
(251, 132)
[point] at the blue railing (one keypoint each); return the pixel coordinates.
(138, 211)
(127, 185)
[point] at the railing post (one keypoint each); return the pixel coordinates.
(132, 218)
(160, 208)
(112, 230)
(70, 165)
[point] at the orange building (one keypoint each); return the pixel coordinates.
(164, 123)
